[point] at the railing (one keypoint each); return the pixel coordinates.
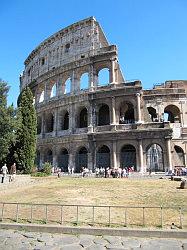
(119, 216)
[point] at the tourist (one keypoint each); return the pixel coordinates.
(12, 172)
(4, 171)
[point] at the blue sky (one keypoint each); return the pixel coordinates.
(151, 35)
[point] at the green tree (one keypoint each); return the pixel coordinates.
(26, 131)
(7, 135)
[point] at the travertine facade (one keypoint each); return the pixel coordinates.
(84, 122)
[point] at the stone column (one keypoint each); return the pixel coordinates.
(59, 87)
(141, 163)
(71, 118)
(55, 127)
(91, 78)
(112, 72)
(138, 108)
(182, 113)
(168, 145)
(45, 92)
(54, 156)
(113, 111)
(114, 152)
(90, 126)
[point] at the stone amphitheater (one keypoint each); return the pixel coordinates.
(90, 116)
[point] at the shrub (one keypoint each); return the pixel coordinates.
(47, 168)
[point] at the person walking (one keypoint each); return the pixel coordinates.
(4, 170)
(12, 172)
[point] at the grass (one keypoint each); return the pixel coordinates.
(96, 191)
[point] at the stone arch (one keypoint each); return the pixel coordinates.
(63, 159)
(84, 81)
(67, 86)
(48, 156)
(82, 120)
(152, 114)
(126, 113)
(154, 158)
(49, 123)
(39, 125)
(81, 159)
(104, 115)
(172, 113)
(178, 156)
(128, 156)
(103, 157)
(53, 91)
(103, 77)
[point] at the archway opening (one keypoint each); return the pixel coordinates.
(83, 118)
(172, 114)
(49, 156)
(104, 115)
(179, 159)
(128, 157)
(65, 124)
(39, 125)
(67, 84)
(126, 113)
(63, 160)
(84, 81)
(103, 157)
(154, 158)
(103, 77)
(53, 91)
(152, 114)
(49, 123)
(81, 159)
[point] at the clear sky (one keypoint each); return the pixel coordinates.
(151, 35)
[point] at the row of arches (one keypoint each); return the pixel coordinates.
(126, 115)
(127, 157)
(103, 78)
(171, 114)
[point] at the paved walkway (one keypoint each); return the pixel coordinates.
(14, 240)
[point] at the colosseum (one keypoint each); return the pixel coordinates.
(89, 116)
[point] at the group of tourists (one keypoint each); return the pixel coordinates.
(114, 172)
(11, 172)
(180, 171)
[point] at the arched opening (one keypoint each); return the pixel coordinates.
(126, 113)
(84, 81)
(53, 91)
(103, 77)
(49, 123)
(81, 159)
(154, 158)
(65, 123)
(67, 88)
(172, 114)
(83, 118)
(63, 160)
(104, 115)
(103, 157)
(39, 125)
(37, 159)
(41, 97)
(179, 159)
(128, 157)
(49, 156)
(152, 114)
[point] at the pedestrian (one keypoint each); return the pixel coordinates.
(12, 172)
(59, 172)
(4, 170)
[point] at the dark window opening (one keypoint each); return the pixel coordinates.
(67, 47)
(104, 115)
(83, 118)
(66, 122)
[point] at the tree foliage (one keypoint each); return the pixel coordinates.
(7, 123)
(26, 131)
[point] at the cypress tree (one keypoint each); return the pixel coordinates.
(7, 124)
(26, 132)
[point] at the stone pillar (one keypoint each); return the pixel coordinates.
(54, 156)
(45, 92)
(55, 127)
(71, 118)
(42, 125)
(91, 78)
(113, 110)
(141, 163)
(168, 145)
(90, 161)
(71, 162)
(138, 108)
(59, 87)
(114, 152)
(112, 72)
(90, 126)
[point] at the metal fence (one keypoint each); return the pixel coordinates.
(118, 216)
